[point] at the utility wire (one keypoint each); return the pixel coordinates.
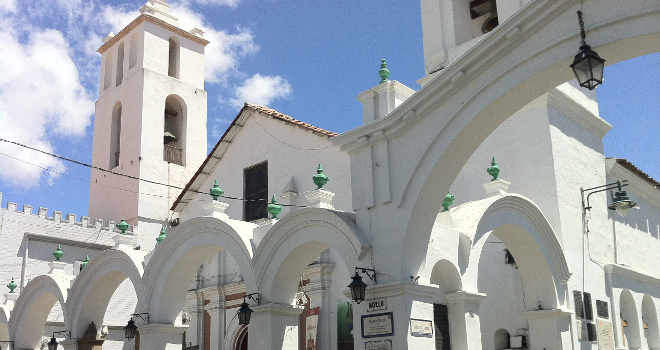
(124, 175)
(288, 144)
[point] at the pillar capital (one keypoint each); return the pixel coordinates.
(161, 336)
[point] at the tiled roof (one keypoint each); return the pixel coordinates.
(277, 115)
(635, 170)
(216, 153)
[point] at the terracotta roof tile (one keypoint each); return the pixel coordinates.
(277, 115)
(635, 170)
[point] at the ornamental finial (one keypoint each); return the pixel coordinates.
(449, 200)
(84, 263)
(383, 72)
(58, 253)
(123, 226)
(216, 191)
(320, 179)
(162, 234)
(494, 170)
(274, 209)
(12, 285)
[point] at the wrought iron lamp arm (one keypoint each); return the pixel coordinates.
(365, 271)
(146, 314)
(67, 333)
(614, 185)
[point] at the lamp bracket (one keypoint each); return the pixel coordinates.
(144, 318)
(8, 341)
(583, 35)
(611, 186)
(65, 332)
(366, 271)
(254, 297)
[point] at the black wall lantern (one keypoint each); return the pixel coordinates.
(587, 65)
(358, 287)
(130, 331)
(244, 313)
(52, 344)
(620, 200)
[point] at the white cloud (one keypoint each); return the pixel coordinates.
(8, 5)
(118, 18)
(40, 96)
(261, 90)
(230, 3)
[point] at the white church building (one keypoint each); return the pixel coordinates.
(479, 211)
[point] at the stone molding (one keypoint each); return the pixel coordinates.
(553, 313)
(629, 273)
(273, 308)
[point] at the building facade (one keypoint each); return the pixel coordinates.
(470, 208)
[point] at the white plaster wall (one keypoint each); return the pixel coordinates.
(252, 145)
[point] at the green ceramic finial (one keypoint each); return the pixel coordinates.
(123, 226)
(274, 209)
(449, 200)
(320, 179)
(494, 170)
(162, 233)
(12, 285)
(216, 191)
(383, 72)
(84, 263)
(58, 253)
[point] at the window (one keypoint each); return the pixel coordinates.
(120, 64)
(255, 192)
(115, 135)
(441, 321)
(602, 309)
(173, 61)
(588, 310)
(579, 306)
(174, 130)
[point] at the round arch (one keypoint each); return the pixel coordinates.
(445, 274)
(28, 320)
(177, 258)
(95, 285)
(650, 318)
(508, 69)
(525, 231)
(292, 243)
(630, 320)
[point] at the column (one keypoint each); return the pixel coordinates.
(161, 336)
(549, 329)
(69, 344)
(317, 290)
(465, 327)
(397, 303)
(274, 326)
(216, 310)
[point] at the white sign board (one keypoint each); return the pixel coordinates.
(605, 335)
(377, 325)
(421, 327)
(377, 304)
(378, 345)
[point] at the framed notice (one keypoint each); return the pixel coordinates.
(421, 328)
(377, 325)
(605, 335)
(385, 344)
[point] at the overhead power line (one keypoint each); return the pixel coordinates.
(120, 174)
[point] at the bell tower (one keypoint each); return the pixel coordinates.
(451, 27)
(150, 120)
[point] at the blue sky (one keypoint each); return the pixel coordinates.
(306, 59)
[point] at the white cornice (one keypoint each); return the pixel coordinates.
(561, 99)
(631, 274)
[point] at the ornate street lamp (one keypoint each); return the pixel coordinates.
(587, 65)
(130, 330)
(244, 313)
(52, 344)
(358, 287)
(620, 200)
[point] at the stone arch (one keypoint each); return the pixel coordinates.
(295, 241)
(176, 259)
(120, 64)
(95, 285)
(446, 276)
(107, 70)
(525, 231)
(27, 323)
(630, 320)
(650, 318)
(501, 339)
(470, 98)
